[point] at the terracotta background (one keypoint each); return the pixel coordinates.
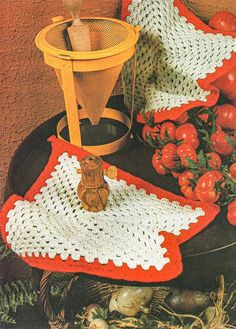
(29, 91)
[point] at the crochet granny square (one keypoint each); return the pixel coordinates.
(178, 57)
(136, 238)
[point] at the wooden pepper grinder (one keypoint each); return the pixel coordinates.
(78, 32)
(93, 190)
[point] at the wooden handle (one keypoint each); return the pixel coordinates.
(78, 32)
(74, 7)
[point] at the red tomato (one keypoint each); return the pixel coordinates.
(185, 152)
(223, 21)
(153, 132)
(206, 186)
(183, 118)
(192, 140)
(232, 205)
(186, 128)
(231, 214)
(185, 185)
(175, 174)
(210, 196)
(227, 84)
(232, 170)
(220, 143)
(167, 129)
(185, 177)
(226, 115)
(157, 164)
(188, 192)
(214, 160)
(188, 134)
(208, 180)
(169, 155)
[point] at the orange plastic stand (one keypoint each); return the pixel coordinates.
(105, 148)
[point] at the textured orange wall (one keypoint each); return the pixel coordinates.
(29, 91)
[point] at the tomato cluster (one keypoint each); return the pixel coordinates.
(200, 151)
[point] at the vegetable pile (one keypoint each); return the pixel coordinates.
(199, 148)
(200, 151)
(169, 309)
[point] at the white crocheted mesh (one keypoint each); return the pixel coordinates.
(171, 56)
(126, 232)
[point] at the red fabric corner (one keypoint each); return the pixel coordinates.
(8, 205)
(200, 25)
(125, 9)
(171, 243)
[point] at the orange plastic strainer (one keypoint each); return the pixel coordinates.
(88, 78)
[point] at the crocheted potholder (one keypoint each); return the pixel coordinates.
(178, 57)
(136, 238)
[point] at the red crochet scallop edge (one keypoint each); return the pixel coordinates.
(169, 271)
(176, 112)
(205, 83)
(125, 9)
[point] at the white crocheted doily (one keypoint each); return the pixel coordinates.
(171, 56)
(127, 232)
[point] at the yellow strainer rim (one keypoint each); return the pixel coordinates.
(130, 41)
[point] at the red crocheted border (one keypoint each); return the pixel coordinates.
(169, 271)
(205, 84)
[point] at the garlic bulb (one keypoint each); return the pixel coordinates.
(131, 300)
(98, 324)
(113, 303)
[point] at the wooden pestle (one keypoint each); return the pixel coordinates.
(78, 32)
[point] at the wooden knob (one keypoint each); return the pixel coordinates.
(111, 172)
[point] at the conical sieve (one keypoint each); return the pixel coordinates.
(88, 78)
